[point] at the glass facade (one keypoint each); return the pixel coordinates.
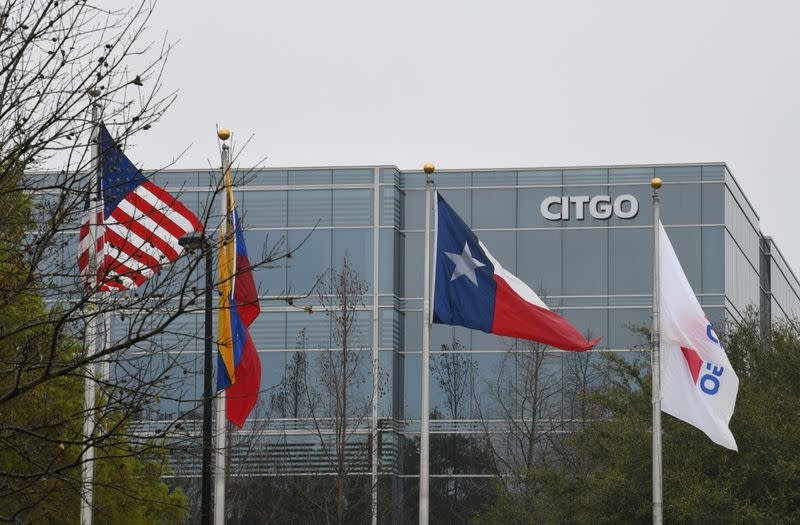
(588, 254)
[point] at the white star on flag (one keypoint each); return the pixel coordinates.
(465, 265)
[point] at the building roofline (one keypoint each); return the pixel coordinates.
(774, 246)
(485, 169)
(741, 190)
(446, 170)
(580, 167)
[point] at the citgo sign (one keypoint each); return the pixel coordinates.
(558, 208)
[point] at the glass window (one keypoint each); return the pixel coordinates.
(317, 329)
(310, 261)
(270, 279)
(412, 263)
(458, 179)
(391, 208)
(713, 260)
(390, 402)
(389, 257)
(441, 334)
(503, 246)
(360, 335)
(494, 208)
(512, 370)
(529, 203)
(494, 178)
(539, 177)
(175, 181)
(463, 336)
(624, 325)
(177, 377)
(310, 207)
(202, 178)
(390, 175)
(268, 178)
(352, 207)
(319, 176)
(585, 176)
(717, 318)
(483, 341)
(585, 261)
(672, 174)
(713, 172)
(644, 197)
(356, 245)
(539, 261)
(414, 210)
(688, 247)
(680, 203)
(630, 175)
(580, 205)
(269, 331)
(264, 209)
(273, 370)
(390, 329)
(459, 200)
(452, 375)
(713, 196)
(412, 387)
(412, 179)
(590, 322)
(412, 331)
(630, 262)
(354, 176)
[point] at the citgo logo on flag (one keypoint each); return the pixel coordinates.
(710, 381)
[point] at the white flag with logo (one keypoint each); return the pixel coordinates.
(698, 384)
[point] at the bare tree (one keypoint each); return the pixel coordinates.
(290, 398)
(51, 54)
(340, 395)
(455, 373)
(524, 404)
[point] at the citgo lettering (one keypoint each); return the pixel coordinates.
(558, 208)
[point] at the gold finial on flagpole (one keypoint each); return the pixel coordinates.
(428, 168)
(223, 133)
(656, 183)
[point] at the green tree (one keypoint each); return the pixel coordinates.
(605, 477)
(40, 429)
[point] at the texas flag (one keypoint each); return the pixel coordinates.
(698, 384)
(471, 289)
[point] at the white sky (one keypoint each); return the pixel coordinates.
(468, 84)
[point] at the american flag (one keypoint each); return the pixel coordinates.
(138, 224)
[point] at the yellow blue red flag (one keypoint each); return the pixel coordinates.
(238, 366)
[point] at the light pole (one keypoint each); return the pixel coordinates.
(195, 241)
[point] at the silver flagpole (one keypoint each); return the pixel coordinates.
(87, 465)
(375, 342)
(221, 427)
(658, 498)
(424, 427)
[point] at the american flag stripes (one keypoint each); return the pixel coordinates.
(139, 224)
(94, 213)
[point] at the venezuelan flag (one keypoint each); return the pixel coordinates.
(238, 365)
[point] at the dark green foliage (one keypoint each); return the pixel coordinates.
(41, 442)
(604, 476)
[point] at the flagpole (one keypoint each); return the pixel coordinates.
(221, 427)
(658, 498)
(424, 429)
(87, 465)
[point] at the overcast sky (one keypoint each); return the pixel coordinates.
(491, 84)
